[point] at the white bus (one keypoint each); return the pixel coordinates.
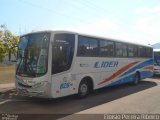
(54, 64)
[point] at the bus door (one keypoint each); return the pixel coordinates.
(62, 56)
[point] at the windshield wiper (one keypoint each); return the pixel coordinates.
(22, 74)
(27, 66)
(31, 70)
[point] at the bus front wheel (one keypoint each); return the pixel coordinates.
(137, 78)
(83, 89)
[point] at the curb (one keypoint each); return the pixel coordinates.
(5, 90)
(6, 87)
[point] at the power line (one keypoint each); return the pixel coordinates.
(96, 11)
(88, 7)
(51, 10)
(85, 8)
(91, 9)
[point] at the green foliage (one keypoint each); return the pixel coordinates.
(8, 42)
(3, 52)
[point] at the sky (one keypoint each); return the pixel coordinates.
(129, 20)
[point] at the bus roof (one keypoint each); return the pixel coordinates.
(87, 35)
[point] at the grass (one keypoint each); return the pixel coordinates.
(7, 73)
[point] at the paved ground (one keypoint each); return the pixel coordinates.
(143, 98)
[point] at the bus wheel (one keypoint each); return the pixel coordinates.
(137, 78)
(83, 89)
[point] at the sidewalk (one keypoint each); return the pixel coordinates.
(6, 87)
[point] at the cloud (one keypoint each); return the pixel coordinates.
(155, 9)
(98, 27)
(143, 29)
(109, 28)
(148, 25)
(106, 28)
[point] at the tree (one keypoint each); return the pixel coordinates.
(8, 42)
(3, 52)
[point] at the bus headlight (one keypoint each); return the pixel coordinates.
(39, 84)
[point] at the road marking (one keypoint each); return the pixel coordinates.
(4, 101)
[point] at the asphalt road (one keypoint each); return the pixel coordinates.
(143, 98)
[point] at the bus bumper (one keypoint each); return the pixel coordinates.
(37, 89)
(156, 72)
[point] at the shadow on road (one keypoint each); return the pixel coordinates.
(156, 77)
(71, 104)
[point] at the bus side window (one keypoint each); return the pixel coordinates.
(130, 51)
(106, 48)
(87, 47)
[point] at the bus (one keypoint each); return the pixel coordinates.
(156, 62)
(53, 64)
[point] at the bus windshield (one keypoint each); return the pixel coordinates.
(157, 63)
(33, 55)
(157, 58)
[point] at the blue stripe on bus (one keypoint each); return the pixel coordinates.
(127, 79)
(145, 63)
(146, 74)
(130, 78)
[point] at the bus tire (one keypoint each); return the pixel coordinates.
(137, 78)
(83, 89)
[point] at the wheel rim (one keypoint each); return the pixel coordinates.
(136, 79)
(84, 89)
